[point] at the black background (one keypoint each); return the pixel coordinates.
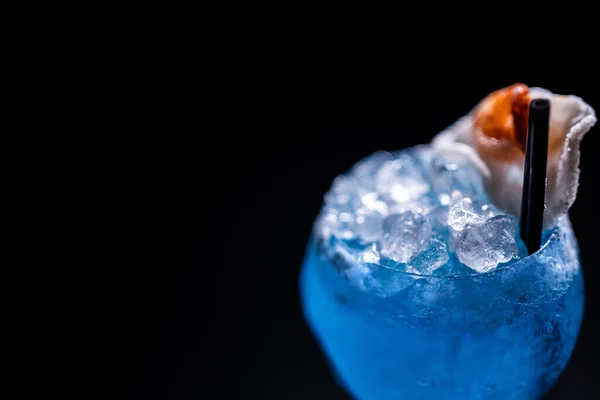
(227, 194)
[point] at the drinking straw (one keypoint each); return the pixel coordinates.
(534, 180)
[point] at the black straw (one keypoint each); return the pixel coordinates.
(534, 180)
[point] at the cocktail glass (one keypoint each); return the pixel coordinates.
(505, 334)
(392, 334)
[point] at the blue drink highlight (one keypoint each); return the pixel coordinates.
(416, 287)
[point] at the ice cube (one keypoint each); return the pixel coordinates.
(431, 258)
(423, 205)
(439, 223)
(489, 211)
(369, 255)
(449, 175)
(439, 218)
(343, 189)
(365, 170)
(444, 199)
(482, 247)
(462, 213)
(372, 201)
(401, 179)
(336, 222)
(368, 225)
(404, 235)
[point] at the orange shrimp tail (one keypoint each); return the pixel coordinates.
(501, 122)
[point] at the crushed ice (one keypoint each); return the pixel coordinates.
(415, 212)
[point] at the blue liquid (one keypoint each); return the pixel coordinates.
(506, 334)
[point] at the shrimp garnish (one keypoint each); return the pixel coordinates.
(500, 122)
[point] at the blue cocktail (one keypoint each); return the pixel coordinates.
(417, 285)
